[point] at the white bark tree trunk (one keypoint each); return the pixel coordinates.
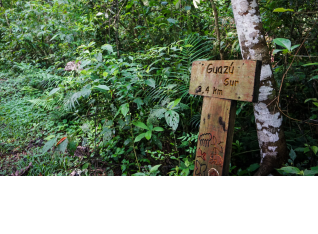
(268, 119)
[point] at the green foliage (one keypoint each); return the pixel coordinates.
(283, 10)
(134, 77)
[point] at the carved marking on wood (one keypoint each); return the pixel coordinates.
(202, 155)
(213, 172)
(200, 168)
(216, 159)
(205, 139)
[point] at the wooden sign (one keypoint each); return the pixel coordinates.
(229, 79)
(221, 82)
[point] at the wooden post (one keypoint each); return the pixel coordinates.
(221, 83)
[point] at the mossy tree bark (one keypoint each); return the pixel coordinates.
(268, 119)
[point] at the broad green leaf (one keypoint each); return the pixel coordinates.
(53, 91)
(151, 82)
(85, 63)
(299, 149)
(62, 147)
(99, 57)
(312, 172)
(253, 167)
(141, 125)
(139, 174)
(154, 168)
(294, 47)
(172, 119)
(311, 99)
(54, 37)
(172, 21)
(108, 48)
(48, 145)
(315, 149)
(174, 103)
(290, 170)
(310, 64)
(101, 87)
(49, 137)
(314, 78)
(139, 137)
(282, 10)
(158, 129)
(185, 172)
(195, 3)
(139, 102)
(85, 166)
(292, 154)
(177, 3)
(124, 109)
(148, 135)
(314, 169)
(276, 51)
(105, 74)
(283, 42)
(187, 8)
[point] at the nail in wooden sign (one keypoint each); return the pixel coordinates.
(221, 83)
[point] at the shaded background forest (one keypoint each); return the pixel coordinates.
(126, 110)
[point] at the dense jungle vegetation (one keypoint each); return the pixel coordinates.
(124, 108)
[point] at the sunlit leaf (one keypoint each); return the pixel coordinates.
(85, 166)
(139, 137)
(276, 51)
(282, 10)
(283, 42)
(101, 87)
(53, 91)
(151, 82)
(290, 170)
(148, 135)
(154, 168)
(158, 129)
(315, 149)
(294, 47)
(172, 119)
(310, 64)
(195, 3)
(108, 48)
(124, 109)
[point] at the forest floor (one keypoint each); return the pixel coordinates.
(10, 162)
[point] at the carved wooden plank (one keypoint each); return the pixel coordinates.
(226, 79)
(215, 137)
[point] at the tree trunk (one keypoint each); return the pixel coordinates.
(268, 119)
(218, 35)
